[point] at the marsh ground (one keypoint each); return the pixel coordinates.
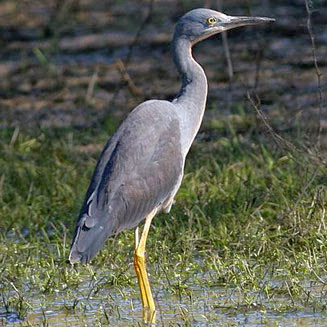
(245, 243)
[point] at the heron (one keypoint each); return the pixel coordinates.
(141, 167)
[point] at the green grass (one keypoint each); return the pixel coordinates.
(248, 229)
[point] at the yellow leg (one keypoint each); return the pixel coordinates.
(149, 312)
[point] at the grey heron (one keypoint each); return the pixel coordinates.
(141, 167)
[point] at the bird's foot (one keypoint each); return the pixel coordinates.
(149, 316)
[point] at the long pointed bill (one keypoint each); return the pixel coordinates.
(243, 21)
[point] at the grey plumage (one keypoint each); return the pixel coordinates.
(137, 171)
(141, 167)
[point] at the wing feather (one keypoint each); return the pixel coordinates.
(137, 172)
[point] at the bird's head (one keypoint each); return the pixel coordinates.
(199, 24)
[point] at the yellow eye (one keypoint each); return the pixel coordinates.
(211, 20)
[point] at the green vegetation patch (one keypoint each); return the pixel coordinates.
(246, 237)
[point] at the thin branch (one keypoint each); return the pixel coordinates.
(228, 57)
(318, 72)
(131, 48)
(128, 79)
(91, 86)
(139, 32)
(258, 62)
(276, 137)
(282, 143)
(304, 190)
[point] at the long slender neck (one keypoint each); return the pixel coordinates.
(194, 82)
(191, 100)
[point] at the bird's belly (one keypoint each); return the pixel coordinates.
(168, 203)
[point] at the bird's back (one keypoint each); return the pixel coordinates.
(137, 172)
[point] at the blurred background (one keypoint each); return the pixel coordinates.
(81, 63)
(245, 243)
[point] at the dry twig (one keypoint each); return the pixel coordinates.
(280, 141)
(308, 6)
(91, 86)
(127, 78)
(228, 57)
(120, 63)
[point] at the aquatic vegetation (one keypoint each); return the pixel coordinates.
(246, 237)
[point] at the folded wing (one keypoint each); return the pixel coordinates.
(137, 172)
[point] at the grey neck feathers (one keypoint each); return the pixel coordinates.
(194, 81)
(191, 100)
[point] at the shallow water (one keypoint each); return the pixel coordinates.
(96, 304)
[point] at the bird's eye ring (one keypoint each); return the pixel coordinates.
(211, 20)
